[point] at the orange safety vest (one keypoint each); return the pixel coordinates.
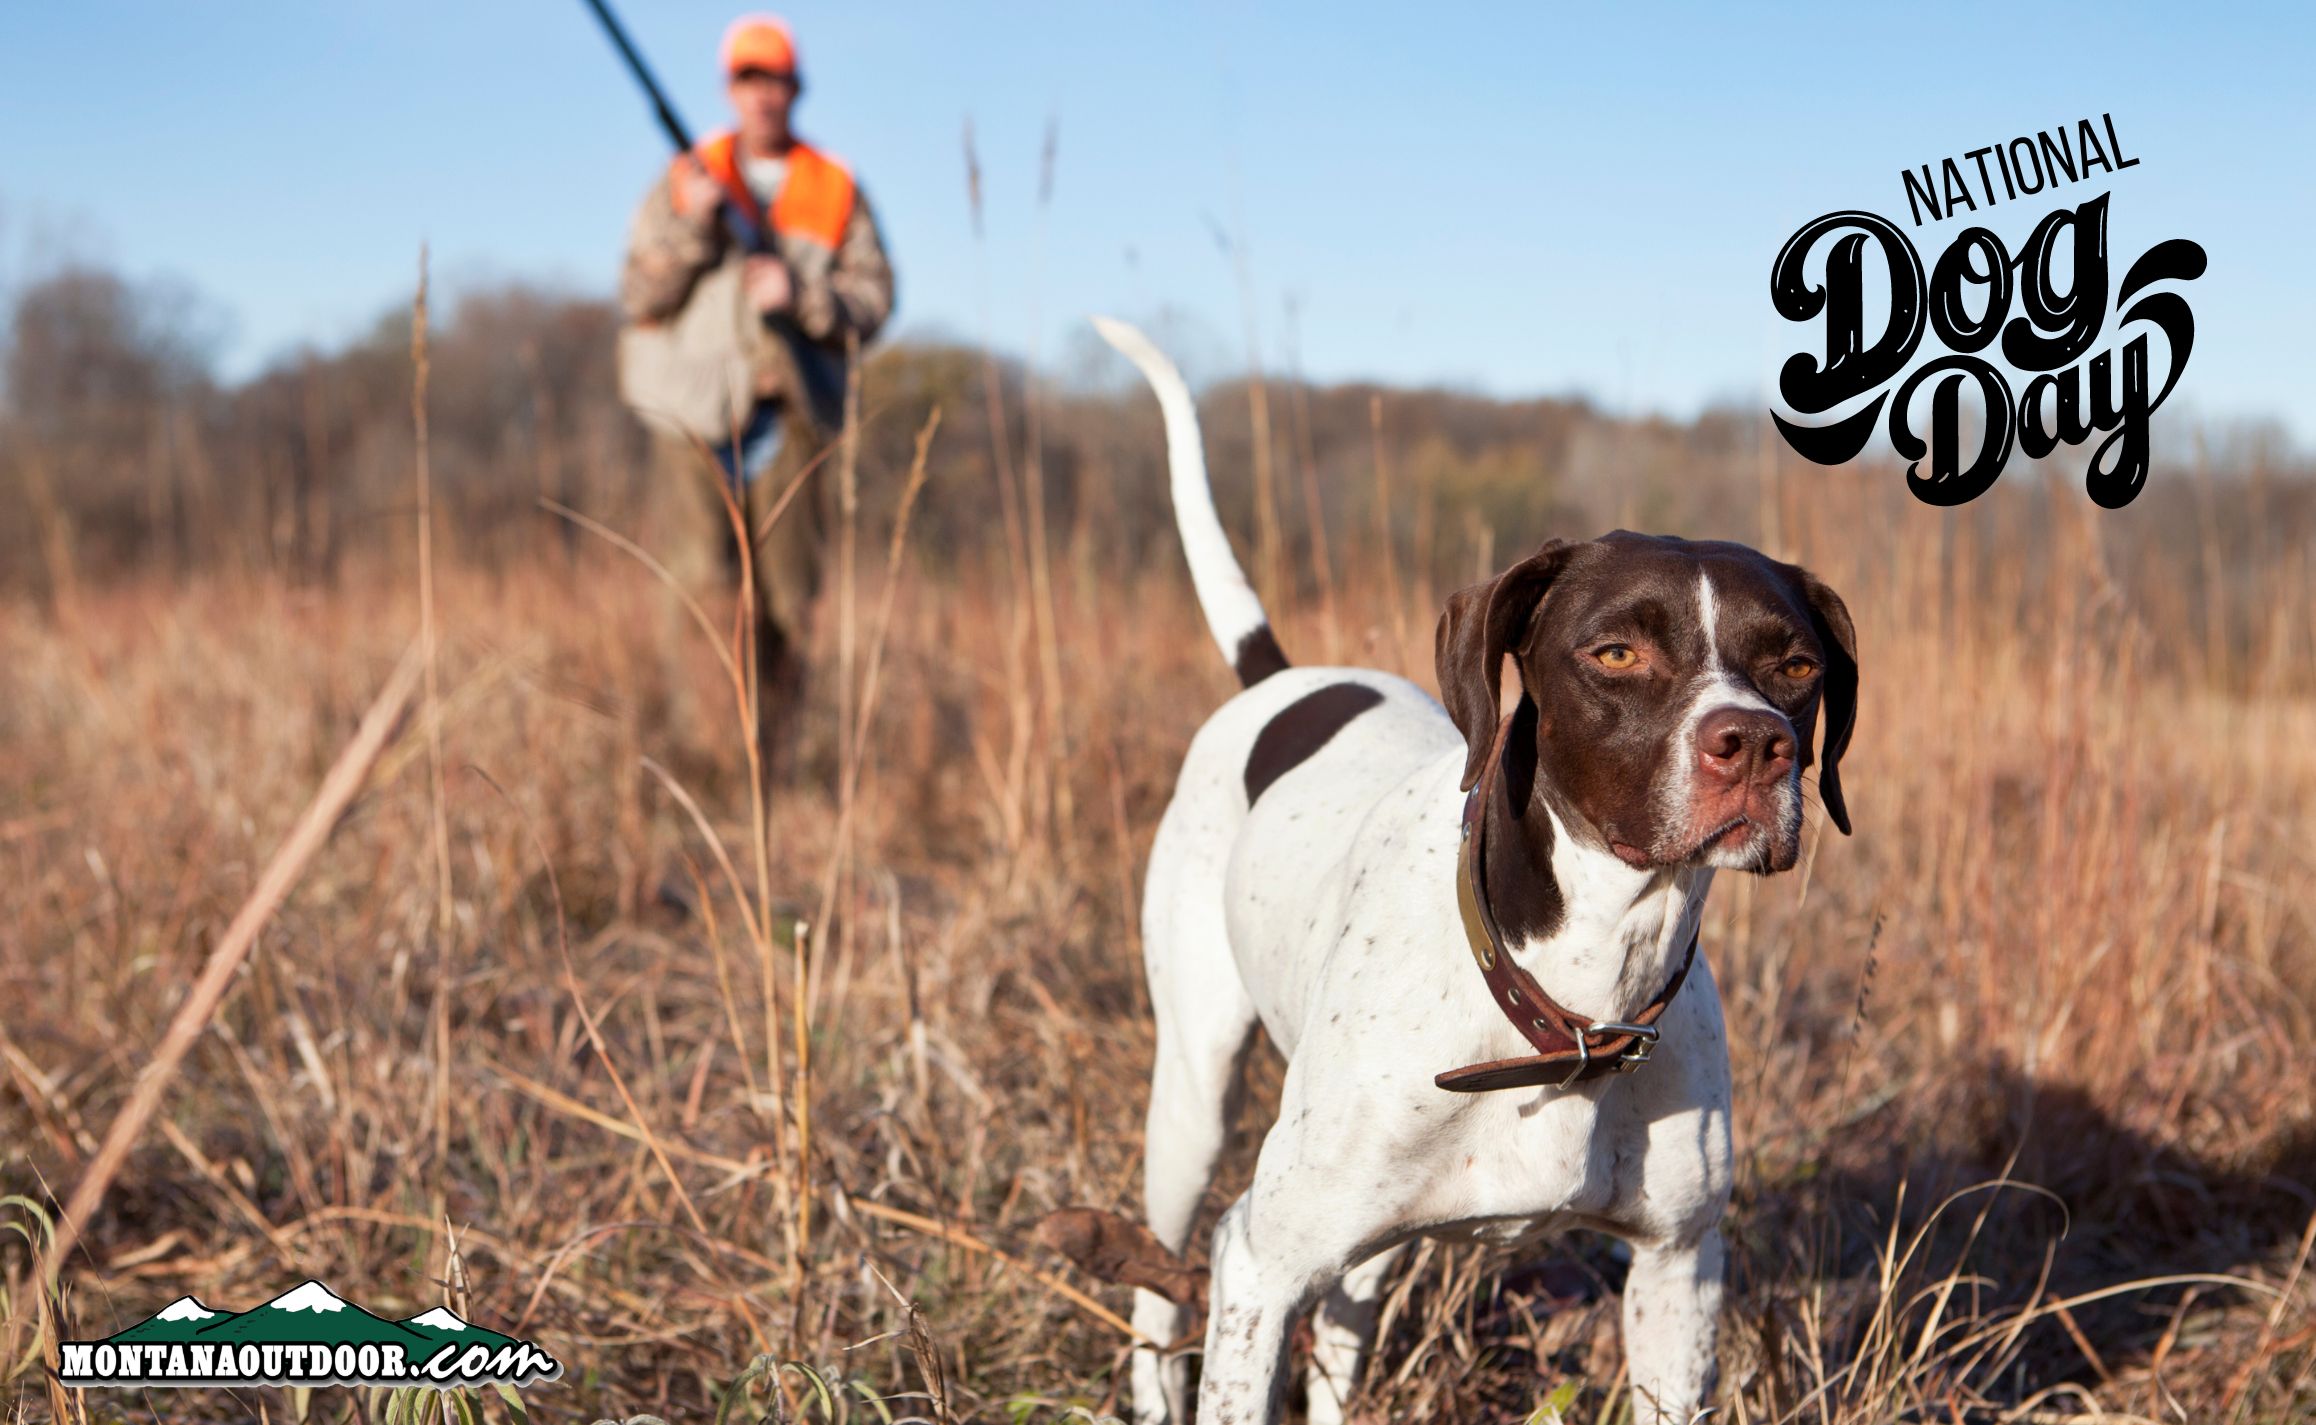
(815, 202)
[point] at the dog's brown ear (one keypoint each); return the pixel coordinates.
(1479, 626)
(1829, 619)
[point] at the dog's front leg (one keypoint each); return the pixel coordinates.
(1263, 1275)
(1342, 1332)
(1672, 1315)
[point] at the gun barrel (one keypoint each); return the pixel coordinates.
(676, 131)
(749, 226)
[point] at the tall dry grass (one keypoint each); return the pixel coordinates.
(2023, 1077)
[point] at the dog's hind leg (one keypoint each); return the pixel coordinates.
(1342, 1332)
(1205, 1023)
(1191, 1099)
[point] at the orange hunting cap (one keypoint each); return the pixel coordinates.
(759, 42)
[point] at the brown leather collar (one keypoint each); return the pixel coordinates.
(1570, 1048)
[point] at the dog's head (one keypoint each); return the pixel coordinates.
(1677, 686)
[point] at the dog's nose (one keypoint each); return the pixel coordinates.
(1738, 745)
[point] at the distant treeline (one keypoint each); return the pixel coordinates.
(122, 453)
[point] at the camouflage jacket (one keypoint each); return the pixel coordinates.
(825, 232)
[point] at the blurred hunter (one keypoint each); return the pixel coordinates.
(718, 338)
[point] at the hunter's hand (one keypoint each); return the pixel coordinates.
(697, 194)
(770, 288)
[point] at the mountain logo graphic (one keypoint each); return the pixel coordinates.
(308, 1335)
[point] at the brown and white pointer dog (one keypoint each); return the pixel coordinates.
(1306, 877)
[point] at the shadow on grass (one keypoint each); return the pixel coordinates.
(2118, 1202)
(2092, 1203)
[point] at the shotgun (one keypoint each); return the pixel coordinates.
(749, 226)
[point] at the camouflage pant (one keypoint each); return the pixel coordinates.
(691, 530)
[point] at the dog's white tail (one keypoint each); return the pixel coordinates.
(1233, 613)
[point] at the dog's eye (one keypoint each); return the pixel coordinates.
(1799, 669)
(1616, 657)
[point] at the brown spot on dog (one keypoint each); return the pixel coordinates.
(1300, 729)
(1259, 656)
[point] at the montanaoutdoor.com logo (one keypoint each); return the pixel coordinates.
(306, 1336)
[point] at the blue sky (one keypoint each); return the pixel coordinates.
(1518, 199)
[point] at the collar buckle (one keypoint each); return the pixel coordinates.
(1635, 1054)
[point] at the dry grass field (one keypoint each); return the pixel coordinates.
(2025, 1123)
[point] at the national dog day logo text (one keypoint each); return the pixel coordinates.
(2049, 303)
